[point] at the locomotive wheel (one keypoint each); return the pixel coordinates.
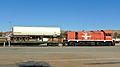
(108, 44)
(71, 44)
(65, 44)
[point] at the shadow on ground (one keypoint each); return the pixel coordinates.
(102, 63)
(28, 64)
(33, 64)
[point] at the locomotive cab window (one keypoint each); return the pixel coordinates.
(108, 35)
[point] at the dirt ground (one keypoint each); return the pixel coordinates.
(10, 57)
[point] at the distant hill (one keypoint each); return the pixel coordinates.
(118, 31)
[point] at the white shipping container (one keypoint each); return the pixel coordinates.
(51, 31)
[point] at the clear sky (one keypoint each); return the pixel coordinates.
(66, 14)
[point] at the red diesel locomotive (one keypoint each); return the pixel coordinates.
(83, 38)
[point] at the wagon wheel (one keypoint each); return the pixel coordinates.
(14, 39)
(20, 39)
(26, 39)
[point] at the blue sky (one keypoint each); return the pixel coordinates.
(66, 14)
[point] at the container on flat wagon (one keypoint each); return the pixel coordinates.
(47, 31)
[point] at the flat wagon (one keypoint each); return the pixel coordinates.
(49, 35)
